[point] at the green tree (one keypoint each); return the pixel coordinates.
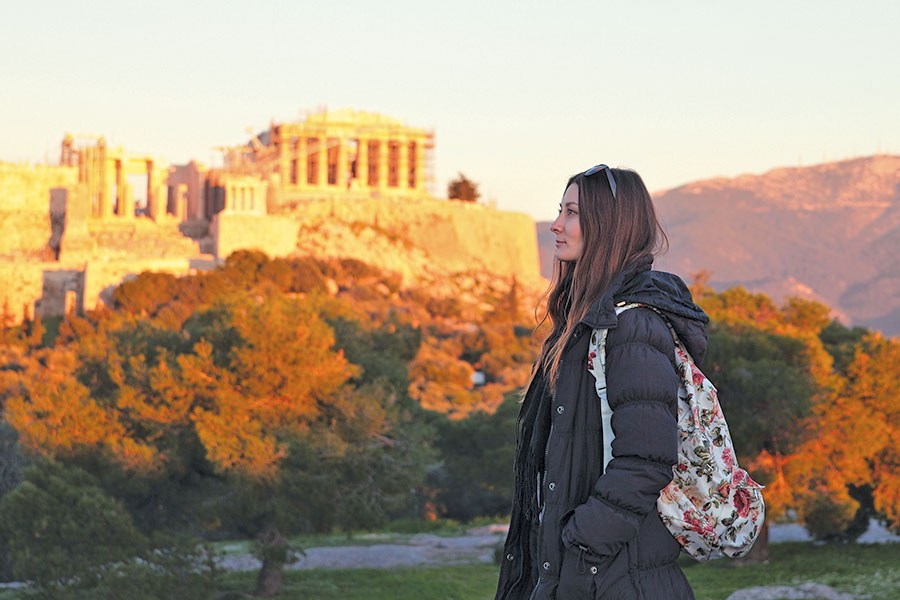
(474, 477)
(12, 466)
(248, 399)
(72, 541)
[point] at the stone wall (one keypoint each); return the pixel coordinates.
(448, 236)
(21, 285)
(276, 235)
(25, 195)
(51, 288)
(103, 276)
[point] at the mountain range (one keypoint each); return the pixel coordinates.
(828, 232)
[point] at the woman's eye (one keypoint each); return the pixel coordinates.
(572, 212)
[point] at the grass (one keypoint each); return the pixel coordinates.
(865, 570)
(872, 570)
(859, 569)
(445, 583)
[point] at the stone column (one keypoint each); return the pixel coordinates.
(151, 192)
(156, 196)
(362, 163)
(91, 180)
(120, 186)
(76, 241)
(420, 164)
(322, 151)
(383, 151)
(300, 156)
(162, 192)
(82, 166)
(181, 201)
(196, 205)
(340, 172)
(105, 187)
(402, 164)
(126, 201)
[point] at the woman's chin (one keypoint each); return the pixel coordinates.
(562, 255)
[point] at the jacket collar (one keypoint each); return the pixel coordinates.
(602, 314)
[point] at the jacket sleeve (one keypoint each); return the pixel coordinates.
(642, 390)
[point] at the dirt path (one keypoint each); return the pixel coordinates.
(477, 546)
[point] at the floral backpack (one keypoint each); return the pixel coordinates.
(712, 506)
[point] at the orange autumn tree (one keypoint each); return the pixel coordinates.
(831, 458)
(772, 368)
(229, 394)
(850, 468)
(240, 376)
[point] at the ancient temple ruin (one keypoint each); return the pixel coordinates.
(103, 172)
(341, 153)
(69, 234)
(338, 153)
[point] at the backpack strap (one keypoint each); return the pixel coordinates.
(597, 350)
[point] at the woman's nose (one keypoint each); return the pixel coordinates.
(555, 226)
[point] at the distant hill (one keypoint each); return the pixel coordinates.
(829, 232)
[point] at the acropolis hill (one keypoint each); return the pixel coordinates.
(335, 184)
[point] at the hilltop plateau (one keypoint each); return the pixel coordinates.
(56, 255)
(427, 241)
(828, 232)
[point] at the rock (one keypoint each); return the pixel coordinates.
(806, 591)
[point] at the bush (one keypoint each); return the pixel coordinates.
(357, 269)
(12, 464)
(829, 520)
(71, 540)
(307, 276)
(476, 476)
(60, 525)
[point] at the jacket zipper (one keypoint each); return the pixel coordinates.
(543, 478)
(544, 474)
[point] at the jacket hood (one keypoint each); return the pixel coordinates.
(663, 291)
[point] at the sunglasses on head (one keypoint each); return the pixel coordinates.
(609, 176)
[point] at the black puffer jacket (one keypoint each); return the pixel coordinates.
(600, 536)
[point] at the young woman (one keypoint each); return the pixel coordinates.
(580, 529)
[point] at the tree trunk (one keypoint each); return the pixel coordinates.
(759, 553)
(274, 550)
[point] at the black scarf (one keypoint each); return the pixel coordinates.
(531, 443)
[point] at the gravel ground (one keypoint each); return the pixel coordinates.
(793, 532)
(474, 547)
(422, 549)
(806, 591)
(477, 546)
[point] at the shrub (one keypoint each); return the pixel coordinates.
(828, 519)
(12, 463)
(307, 276)
(71, 540)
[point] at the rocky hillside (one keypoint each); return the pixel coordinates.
(829, 232)
(424, 240)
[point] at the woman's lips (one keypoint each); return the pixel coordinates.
(559, 243)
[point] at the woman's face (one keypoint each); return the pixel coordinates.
(569, 243)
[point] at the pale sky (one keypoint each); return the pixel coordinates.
(520, 94)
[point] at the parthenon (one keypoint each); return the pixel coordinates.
(337, 152)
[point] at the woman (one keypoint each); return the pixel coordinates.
(578, 530)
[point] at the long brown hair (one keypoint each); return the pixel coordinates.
(615, 232)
